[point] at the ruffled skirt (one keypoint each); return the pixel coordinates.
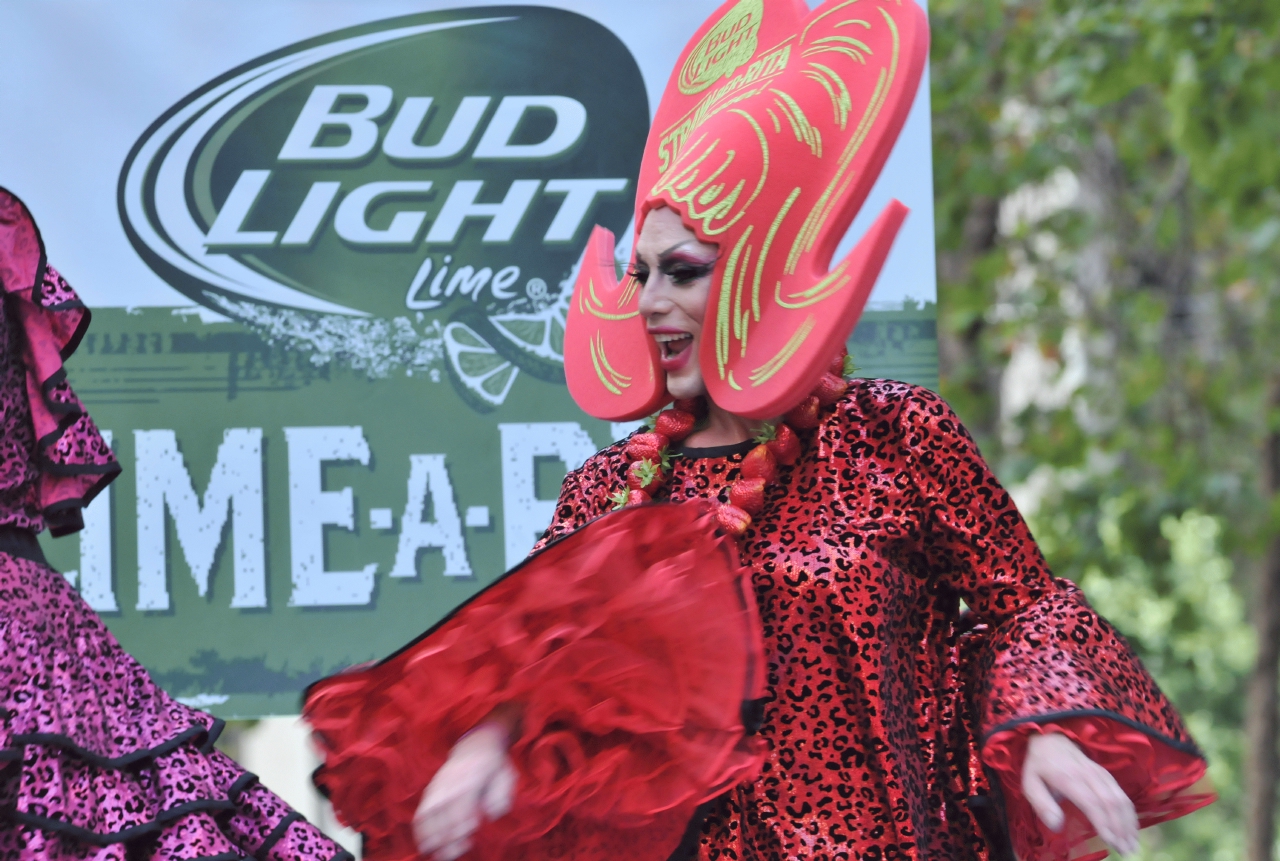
(98, 762)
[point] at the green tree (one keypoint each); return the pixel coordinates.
(1108, 209)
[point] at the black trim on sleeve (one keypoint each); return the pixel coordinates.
(1181, 746)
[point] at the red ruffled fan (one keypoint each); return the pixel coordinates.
(629, 647)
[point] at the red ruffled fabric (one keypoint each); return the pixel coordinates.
(630, 648)
(74, 461)
(1056, 664)
(1162, 781)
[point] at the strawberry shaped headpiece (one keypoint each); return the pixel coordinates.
(771, 132)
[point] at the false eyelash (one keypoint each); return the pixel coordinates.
(684, 272)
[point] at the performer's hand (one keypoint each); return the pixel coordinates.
(1056, 768)
(477, 782)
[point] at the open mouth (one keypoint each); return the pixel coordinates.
(672, 345)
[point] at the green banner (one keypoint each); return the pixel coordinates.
(245, 463)
(330, 355)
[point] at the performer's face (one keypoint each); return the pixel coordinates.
(674, 268)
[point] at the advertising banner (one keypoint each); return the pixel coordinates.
(329, 247)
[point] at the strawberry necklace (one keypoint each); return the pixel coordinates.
(777, 444)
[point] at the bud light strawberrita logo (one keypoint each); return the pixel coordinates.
(406, 197)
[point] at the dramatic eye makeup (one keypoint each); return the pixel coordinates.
(682, 267)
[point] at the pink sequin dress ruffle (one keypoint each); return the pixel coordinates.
(96, 761)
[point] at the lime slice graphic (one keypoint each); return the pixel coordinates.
(541, 334)
(479, 373)
(534, 341)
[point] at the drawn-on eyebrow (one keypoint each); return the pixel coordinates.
(690, 256)
(673, 254)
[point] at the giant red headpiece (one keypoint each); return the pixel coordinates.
(771, 132)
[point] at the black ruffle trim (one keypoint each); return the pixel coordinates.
(213, 805)
(242, 783)
(70, 415)
(56, 379)
(84, 835)
(37, 297)
(206, 737)
(1182, 746)
(64, 518)
(276, 833)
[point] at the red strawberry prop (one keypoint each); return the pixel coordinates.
(760, 463)
(646, 446)
(640, 452)
(644, 475)
(837, 365)
(649, 440)
(748, 494)
(782, 441)
(830, 389)
(638, 497)
(675, 425)
(805, 415)
(733, 520)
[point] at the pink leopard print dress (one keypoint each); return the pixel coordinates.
(96, 761)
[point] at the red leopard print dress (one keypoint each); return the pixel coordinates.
(885, 701)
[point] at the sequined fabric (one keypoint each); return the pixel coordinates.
(69, 462)
(96, 761)
(879, 693)
(19, 505)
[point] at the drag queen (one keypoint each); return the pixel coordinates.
(928, 689)
(95, 760)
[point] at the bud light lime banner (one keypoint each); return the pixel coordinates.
(329, 248)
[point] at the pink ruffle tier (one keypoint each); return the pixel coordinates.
(97, 762)
(73, 462)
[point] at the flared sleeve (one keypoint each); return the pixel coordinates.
(73, 460)
(1049, 662)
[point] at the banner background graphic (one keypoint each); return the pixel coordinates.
(285, 465)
